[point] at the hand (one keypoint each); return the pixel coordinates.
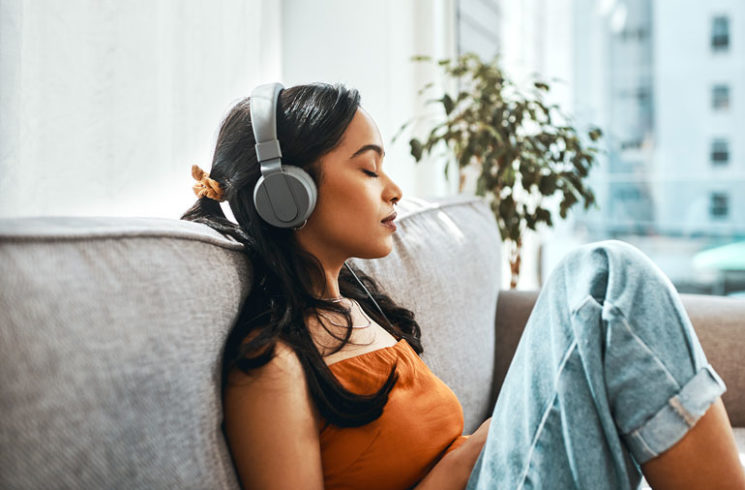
(470, 450)
(455, 468)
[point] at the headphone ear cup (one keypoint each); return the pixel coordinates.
(306, 187)
(287, 198)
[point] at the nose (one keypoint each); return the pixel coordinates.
(392, 191)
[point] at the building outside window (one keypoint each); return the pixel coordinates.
(720, 33)
(720, 152)
(719, 205)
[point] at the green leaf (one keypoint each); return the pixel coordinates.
(543, 215)
(448, 103)
(508, 176)
(507, 207)
(425, 87)
(547, 184)
(595, 134)
(569, 200)
(400, 130)
(465, 157)
(416, 148)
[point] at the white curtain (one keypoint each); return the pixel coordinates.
(105, 105)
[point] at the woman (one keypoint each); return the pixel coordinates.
(322, 383)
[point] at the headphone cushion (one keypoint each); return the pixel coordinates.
(287, 198)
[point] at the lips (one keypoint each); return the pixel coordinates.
(388, 221)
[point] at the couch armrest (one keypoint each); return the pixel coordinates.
(719, 323)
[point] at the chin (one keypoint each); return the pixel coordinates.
(376, 253)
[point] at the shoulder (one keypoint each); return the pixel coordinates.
(284, 366)
(281, 380)
(270, 418)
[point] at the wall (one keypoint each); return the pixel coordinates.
(104, 106)
(369, 47)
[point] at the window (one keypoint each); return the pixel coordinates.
(671, 172)
(720, 152)
(720, 97)
(720, 33)
(631, 144)
(719, 205)
(638, 34)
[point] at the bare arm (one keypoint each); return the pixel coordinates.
(454, 469)
(272, 425)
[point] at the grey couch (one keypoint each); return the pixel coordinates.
(111, 332)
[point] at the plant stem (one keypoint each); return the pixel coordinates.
(515, 250)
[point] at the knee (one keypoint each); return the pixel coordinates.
(616, 252)
(613, 260)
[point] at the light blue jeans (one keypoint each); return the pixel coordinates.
(607, 375)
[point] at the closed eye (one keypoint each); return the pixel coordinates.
(370, 173)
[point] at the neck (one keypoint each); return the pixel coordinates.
(331, 276)
(326, 287)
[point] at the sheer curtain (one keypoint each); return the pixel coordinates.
(105, 105)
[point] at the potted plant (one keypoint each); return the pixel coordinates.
(523, 150)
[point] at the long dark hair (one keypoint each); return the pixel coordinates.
(311, 120)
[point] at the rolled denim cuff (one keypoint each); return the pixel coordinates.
(666, 427)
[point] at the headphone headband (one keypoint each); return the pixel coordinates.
(264, 121)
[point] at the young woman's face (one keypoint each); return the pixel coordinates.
(355, 197)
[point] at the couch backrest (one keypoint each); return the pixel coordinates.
(111, 332)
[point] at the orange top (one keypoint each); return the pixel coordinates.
(421, 421)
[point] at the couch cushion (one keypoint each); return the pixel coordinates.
(112, 331)
(446, 268)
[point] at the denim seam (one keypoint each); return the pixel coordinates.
(636, 435)
(644, 345)
(571, 348)
(581, 304)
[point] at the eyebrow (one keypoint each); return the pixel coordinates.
(365, 148)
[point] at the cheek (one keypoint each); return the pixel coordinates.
(347, 200)
(346, 216)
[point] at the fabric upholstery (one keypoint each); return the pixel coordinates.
(109, 353)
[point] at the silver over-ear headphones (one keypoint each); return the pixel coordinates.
(285, 195)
